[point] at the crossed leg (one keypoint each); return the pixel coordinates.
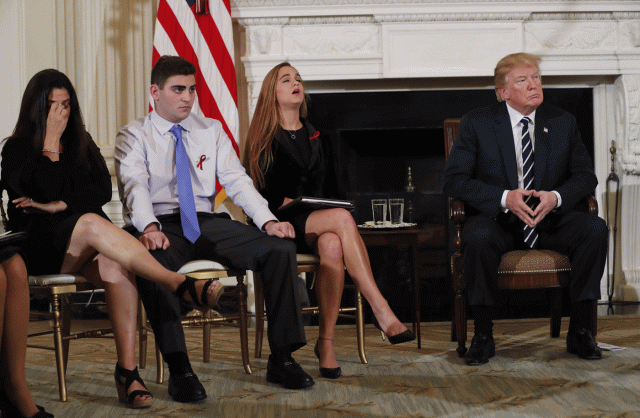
(339, 245)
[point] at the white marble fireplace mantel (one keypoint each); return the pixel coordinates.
(340, 45)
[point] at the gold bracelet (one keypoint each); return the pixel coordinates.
(51, 151)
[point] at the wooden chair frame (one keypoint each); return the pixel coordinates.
(307, 264)
(58, 294)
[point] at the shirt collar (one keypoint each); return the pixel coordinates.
(164, 125)
(516, 116)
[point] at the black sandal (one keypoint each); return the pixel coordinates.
(7, 409)
(124, 379)
(202, 302)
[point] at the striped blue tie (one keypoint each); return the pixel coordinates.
(530, 234)
(188, 215)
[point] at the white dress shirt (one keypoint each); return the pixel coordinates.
(146, 170)
(516, 125)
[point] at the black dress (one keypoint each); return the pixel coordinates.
(26, 172)
(298, 168)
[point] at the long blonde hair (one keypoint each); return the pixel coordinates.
(264, 126)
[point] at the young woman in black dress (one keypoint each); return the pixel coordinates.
(284, 156)
(57, 182)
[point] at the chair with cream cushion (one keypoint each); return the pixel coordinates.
(204, 270)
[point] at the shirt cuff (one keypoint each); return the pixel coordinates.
(262, 217)
(141, 224)
(559, 199)
(503, 201)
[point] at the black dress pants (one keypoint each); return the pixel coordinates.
(579, 235)
(238, 246)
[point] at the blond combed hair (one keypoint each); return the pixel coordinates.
(508, 63)
(264, 125)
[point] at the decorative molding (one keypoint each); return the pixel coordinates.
(264, 40)
(628, 122)
(332, 20)
(626, 15)
(263, 21)
(253, 91)
(582, 16)
(450, 17)
(630, 32)
(571, 35)
(332, 40)
(321, 3)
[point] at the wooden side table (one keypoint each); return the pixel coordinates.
(401, 239)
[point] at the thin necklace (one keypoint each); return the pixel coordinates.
(292, 133)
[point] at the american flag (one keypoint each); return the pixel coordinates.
(201, 32)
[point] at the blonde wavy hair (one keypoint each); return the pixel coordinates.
(264, 126)
(508, 63)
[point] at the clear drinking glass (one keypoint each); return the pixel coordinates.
(379, 207)
(396, 209)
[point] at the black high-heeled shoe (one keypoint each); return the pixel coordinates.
(329, 373)
(403, 337)
(201, 303)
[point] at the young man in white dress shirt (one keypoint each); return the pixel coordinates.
(145, 158)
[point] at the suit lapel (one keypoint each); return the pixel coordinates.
(315, 147)
(541, 148)
(504, 135)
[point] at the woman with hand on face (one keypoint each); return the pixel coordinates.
(284, 156)
(57, 182)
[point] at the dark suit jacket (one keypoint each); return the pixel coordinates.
(289, 175)
(482, 163)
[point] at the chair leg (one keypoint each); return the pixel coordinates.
(461, 323)
(159, 366)
(206, 337)
(142, 335)
(244, 332)
(360, 328)
(59, 346)
(556, 311)
(454, 336)
(259, 298)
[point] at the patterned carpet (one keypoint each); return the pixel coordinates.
(531, 376)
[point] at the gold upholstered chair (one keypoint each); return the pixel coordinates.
(204, 270)
(524, 269)
(57, 289)
(308, 263)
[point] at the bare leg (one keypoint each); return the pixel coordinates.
(122, 304)
(329, 288)
(93, 233)
(356, 259)
(14, 323)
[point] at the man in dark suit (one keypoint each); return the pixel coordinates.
(521, 168)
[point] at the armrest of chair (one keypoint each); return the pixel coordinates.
(592, 205)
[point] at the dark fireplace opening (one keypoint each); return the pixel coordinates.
(375, 137)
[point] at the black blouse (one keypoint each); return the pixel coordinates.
(26, 172)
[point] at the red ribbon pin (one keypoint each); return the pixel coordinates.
(316, 135)
(202, 159)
